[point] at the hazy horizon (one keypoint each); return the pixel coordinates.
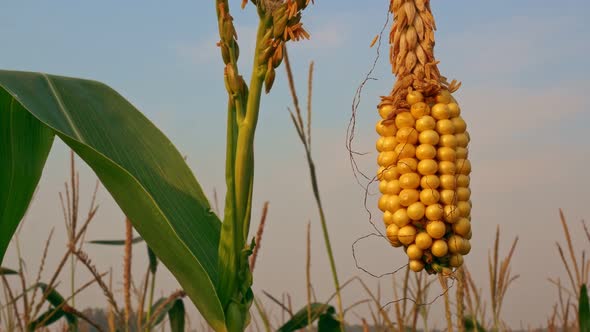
(524, 72)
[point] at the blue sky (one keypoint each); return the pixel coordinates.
(524, 72)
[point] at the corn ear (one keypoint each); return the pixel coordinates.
(424, 179)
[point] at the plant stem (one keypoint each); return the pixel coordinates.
(240, 158)
(263, 315)
(232, 239)
(316, 193)
(306, 139)
(127, 271)
(244, 163)
(21, 274)
(151, 300)
(308, 276)
(72, 279)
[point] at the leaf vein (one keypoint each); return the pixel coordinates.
(63, 108)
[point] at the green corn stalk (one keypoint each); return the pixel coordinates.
(243, 110)
(143, 171)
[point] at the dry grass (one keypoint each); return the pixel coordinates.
(410, 290)
(259, 233)
(565, 311)
(22, 300)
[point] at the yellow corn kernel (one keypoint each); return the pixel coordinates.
(392, 235)
(451, 213)
(385, 129)
(413, 252)
(436, 229)
(429, 182)
(387, 158)
(429, 196)
(462, 227)
(414, 97)
(400, 217)
(416, 211)
(448, 197)
(387, 218)
(440, 111)
(445, 127)
(386, 144)
(407, 165)
(463, 181)
(416, 265)
(449, 141)
(407, 234)
(461, 153)
(463, 166)
(456, 244)
(423, 240)
(387, 173)
(427, 167)
(407, 135)
(385, 111)
(425, 123)
(462, 140)
(454, 110)
(405, 119)
(463, 194)
(409, 196)
(448, 182)
(425, 151)
(444, 97)
(405, 150)
(447, 168)
(456, 260)
(419, 110)
(409, 181)
(434, 212)
(392, 203)
(459, 124)
(446, 154)
(439, 248)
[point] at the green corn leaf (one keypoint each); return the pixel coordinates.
(584, 310)
(116, 242)
(329, 323)
(24, 146)
(135, 161)
(155, 320)
(5, 271)
(176, 316)
(228, 255)
(153, 260)
(45, 319)
(161, 314)
(175, 311)
(299, 320)
(55, 312)
(53, 297)
(472, 325)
